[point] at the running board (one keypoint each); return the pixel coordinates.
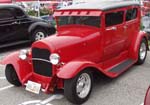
(122, 66)
(14, 43)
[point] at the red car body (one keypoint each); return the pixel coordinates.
(147, 97)
(110, 50)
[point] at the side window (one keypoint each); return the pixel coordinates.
(131, 14)
(19, 13)
(5, 14)
(114, 18)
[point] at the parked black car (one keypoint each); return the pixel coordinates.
(17, 27)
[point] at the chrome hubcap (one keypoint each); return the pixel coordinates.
(83, 85)
(39, 36)
(142, 51)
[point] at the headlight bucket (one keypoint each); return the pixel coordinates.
(54, 58)
(23, 54)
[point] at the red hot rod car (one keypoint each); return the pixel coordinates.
(93, 37)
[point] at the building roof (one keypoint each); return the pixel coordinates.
(102, 5)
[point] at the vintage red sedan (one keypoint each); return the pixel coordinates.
(99, 37)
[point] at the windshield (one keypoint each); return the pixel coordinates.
(79, 20)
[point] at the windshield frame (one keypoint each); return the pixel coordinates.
(96, 13)
(92, 21)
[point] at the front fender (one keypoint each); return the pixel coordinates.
(134, 48)
(23, 68)
(72, 68)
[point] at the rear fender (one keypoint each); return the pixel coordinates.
(23, 68)
(134, 48)
(49, 29)
(37, 24)
(72, 68)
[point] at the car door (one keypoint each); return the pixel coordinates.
(7, 26)
(23, 22)
(114, 39)
(131, 24)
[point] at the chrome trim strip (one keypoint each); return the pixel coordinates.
(38, 59)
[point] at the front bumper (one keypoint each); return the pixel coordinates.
(48, 84)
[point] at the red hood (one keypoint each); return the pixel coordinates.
(67, 37)
(77, 30)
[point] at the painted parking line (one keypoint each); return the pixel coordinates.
(30, 102)
(44, 102)
(1, 78)
(49, 104)
(142, 104)
(53, 97)
(6, 87)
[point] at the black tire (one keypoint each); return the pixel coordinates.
(70, 90)
(11, 76)
(142, 60)
(35, 32)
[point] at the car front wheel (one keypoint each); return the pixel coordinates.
(142, 52)
(38, 34)
(77, 90)
(11, 75)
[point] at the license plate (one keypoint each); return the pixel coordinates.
(33, 87)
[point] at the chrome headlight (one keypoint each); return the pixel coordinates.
(54, 58)
(23, 54)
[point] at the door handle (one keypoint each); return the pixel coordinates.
(125, 27)
(15, 22)
(112, 28)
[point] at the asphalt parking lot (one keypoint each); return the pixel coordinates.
(127, 89)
